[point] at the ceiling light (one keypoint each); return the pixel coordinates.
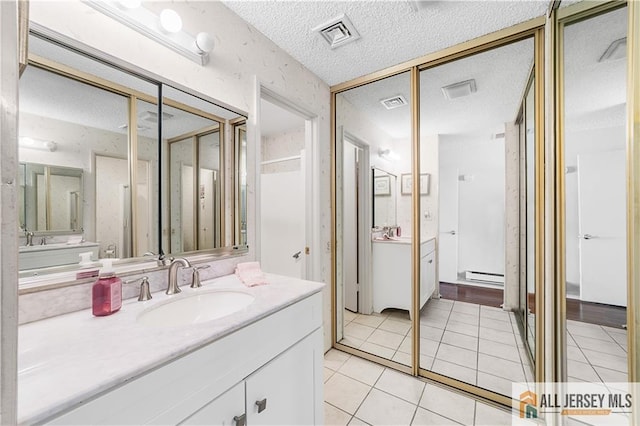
(458, 90)
(26, 142)
(338, 31)
(616, 50)
(394, 102)
(170, 21)
(165, 29)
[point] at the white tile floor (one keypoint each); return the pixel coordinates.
(359, 392)
(596, 353)
(477, 344)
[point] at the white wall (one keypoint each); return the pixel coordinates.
(242, 58)
(578, 142)
(281, 145)
(481, 201)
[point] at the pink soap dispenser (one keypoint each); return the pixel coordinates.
(107, 291)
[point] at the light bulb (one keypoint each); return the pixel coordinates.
(204, 42)
(170, 21)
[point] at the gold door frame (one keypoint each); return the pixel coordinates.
(532, 28)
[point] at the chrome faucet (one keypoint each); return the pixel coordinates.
(29, 236)
(172, 286)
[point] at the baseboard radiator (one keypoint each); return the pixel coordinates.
(484, 277)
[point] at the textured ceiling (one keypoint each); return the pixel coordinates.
(595, 92)
(500, 74)
(391, 31)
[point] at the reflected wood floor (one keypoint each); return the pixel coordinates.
(577, 310)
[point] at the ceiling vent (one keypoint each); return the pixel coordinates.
(152, 116)
(338, 31)
(394, 102)
(616, 50)
(458, 90)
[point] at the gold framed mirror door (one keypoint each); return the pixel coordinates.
(445, 341)
(597, 129)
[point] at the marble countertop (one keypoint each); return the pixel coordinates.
(65, 360)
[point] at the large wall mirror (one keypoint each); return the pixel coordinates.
(100, 155)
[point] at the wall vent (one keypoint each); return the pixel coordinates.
(394, 102)
(338, 31)
(458, 90)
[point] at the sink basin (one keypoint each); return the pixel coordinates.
(196, 308)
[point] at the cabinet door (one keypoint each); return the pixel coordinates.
(427, 277)
(224, 410)
(282, 392)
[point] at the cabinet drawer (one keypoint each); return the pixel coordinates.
(222, 410)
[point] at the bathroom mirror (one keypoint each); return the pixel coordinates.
(240, 161)
(195, 149)
(80, 113)
(384, 198)
(53, 198)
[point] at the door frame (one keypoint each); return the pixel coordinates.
(365, 302)
(310, 168)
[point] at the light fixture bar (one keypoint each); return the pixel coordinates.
(148, 24)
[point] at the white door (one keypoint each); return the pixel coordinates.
(350, 226)
(282, 223)
(448, 225)
(602, 227)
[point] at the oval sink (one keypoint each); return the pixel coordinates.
(196, 308)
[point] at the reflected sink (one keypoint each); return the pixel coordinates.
(196, 308)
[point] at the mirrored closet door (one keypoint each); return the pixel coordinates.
(374, 217)
(470, 283)
(594, 65)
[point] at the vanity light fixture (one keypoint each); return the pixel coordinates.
(41, 145)
(616, 50)
(165, 29)
(460, 89)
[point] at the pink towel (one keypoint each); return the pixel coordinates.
(251, 274)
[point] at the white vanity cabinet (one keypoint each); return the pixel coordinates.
(277, 359)
(391, 273)
(280, 393)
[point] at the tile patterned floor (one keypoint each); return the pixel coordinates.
(359, 392)
(596, 353)
(477, 344)
(481, 345)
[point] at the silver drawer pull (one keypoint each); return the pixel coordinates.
(262, 405)
(240, 420)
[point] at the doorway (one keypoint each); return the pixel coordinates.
(285, 210)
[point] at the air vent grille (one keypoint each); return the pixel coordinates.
(394, 102)
(338, 31)
(458, 90)
(152, 116)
